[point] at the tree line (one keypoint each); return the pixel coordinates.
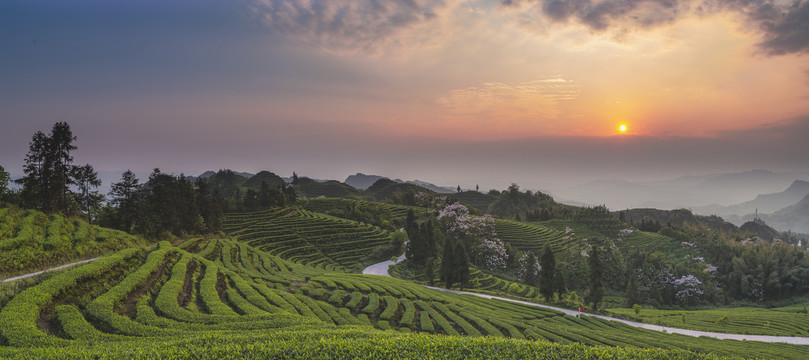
(163, 205)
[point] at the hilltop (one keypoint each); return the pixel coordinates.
(363, 182)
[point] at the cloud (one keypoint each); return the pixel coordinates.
(537, 98)
(368, 26)
(788, 32)
(782, 25)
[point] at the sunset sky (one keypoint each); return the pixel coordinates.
(453, 92)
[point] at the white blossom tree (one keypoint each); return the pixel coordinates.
(477, 233)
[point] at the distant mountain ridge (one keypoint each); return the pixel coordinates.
(210, 173)
(685, 192)
(794, 218)
(763, 203)
(363, 182)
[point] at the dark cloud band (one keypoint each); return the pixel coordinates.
(784, 26)
(352, 25)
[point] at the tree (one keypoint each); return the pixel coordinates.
(530, 269)
(414, 244)
(170, 206)
(47, 168)
(265, 197)
(251, 201)
(289, 195)
(596, 290)
(558, 282)
(210, 206)
(33, 183)
(547, 272)
(477, 188)
(89, 199)
(294, 178)
(459, 188)
(454, 264)
(125, 197)
(4, 178)
(475, 233)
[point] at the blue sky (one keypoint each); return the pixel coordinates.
(452, 91)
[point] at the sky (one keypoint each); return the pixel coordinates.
(466, 92)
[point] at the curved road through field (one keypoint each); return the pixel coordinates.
(382, 269)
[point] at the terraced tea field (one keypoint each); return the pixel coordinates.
(310, 238)
(323, 205)
(561, 234)
(31, 240)
(219, 292)
(784, 321)
(224, 289)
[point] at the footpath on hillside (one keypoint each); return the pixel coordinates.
(382, 269)
(47, 270)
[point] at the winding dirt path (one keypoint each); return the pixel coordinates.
(382, 269)
(51, 269)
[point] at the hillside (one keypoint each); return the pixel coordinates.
(31, 240)
(310, 238)
(211, 297)
(272, 180)
(311, 188)
(677, 218)
(363, 182)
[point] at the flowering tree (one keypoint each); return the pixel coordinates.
(477, 233)
(688, 286)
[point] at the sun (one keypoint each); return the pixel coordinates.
(622, 128)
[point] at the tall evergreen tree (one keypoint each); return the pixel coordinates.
(547, 272)
(4, 179)
(558, 283)
(87, 181)
(61, 144)
(171, 206)
(414, 242)
(125, 197)
(251, 201)
(209, 205)
(530, 276)
(265, 197)
(596, 274)
(454, 264)
(47, 168)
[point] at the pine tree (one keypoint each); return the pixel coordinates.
(125, 197)
(4, 179)
(558, 283)
(547, 272)
(530, 277)
(596, 285)
(89, 199)
(251, 202)
(47, 168)
(265, 198)
(454, 264)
